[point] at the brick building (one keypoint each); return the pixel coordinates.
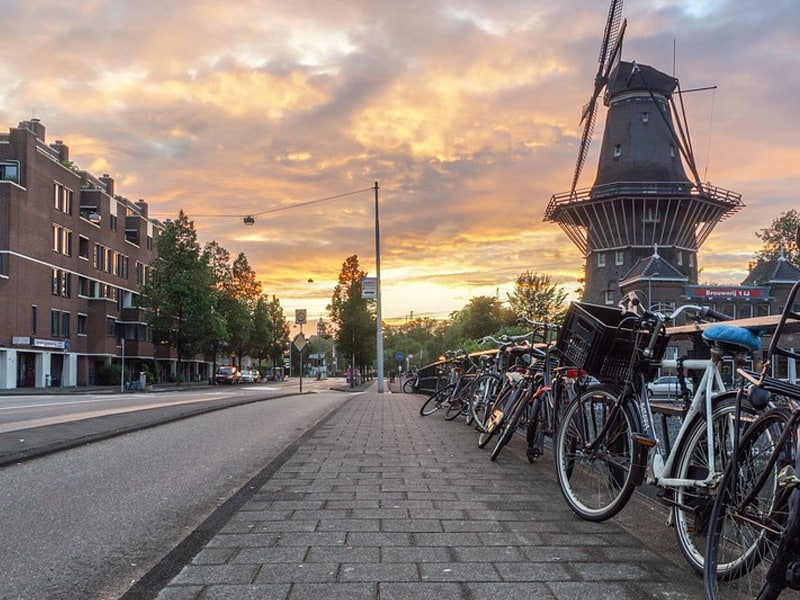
(73, 257)
(761, 295)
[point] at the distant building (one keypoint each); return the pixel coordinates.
(73, 257)
(763, 293)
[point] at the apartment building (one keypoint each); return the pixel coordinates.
(73, 257)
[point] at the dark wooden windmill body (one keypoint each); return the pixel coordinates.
(642, 203)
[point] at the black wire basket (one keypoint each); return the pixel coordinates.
(607, 343)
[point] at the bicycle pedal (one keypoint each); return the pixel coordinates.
(788, 478)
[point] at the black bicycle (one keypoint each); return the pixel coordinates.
(753, 547)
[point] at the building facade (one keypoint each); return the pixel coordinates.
(73, 258)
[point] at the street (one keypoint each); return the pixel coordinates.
(87, 522)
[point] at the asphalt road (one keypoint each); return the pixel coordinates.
(88, 521)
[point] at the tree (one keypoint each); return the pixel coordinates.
(536, 298)
(179, 291)
(353, 316)
(244, 291)
(270, 330)
(780, 238)
(483, 315)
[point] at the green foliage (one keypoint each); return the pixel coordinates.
(270, 330)
(483, 315)
(352, 316)
(780, 238)
(109, 374)
(536, 298)
(179, 292)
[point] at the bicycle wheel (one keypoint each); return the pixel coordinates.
(455, 406)
(483, 392)
(495, 414)
(749, 515)
(509, 425)
(595, 454)
(410, 385)
(436, 401)
(692, 508)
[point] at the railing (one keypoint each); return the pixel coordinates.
(644, 188)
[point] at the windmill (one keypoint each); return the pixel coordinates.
(642, 216)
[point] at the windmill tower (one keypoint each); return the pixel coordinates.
(642, 203)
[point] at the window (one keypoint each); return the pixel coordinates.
(33, 319)
(679, 258)
(691, 259)
(65, 325)
(111, 327)
(601, 260)
(55, 323)
(81, 324)
(9, 171)
(619, 258)
(99, 262)
(61, 283)
(608, 297)
(62, 198)
(62, 240)
(83, 247)
(645, 117)
(617, 151)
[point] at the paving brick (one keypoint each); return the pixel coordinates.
(379, 503)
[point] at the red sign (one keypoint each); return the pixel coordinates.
(739, 292)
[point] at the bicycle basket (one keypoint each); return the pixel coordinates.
(592, 339)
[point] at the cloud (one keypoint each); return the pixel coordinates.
(466, 113)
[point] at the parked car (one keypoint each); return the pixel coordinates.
(251, 376)
(668, 385)
(229, 375)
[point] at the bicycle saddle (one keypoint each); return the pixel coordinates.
(731, 335)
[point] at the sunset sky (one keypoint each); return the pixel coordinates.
(465, 112)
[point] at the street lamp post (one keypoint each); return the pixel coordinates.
(379, 325)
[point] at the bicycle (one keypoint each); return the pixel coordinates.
(493, 379)
(534, 405)
(607, 444)
(515, 354)
(411, 384)
(457, 368)
(753, 548)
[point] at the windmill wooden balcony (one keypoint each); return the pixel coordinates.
(630, 214)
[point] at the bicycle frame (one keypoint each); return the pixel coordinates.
(710, 386)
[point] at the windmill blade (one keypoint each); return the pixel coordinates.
(616, 52)
(611, 33)
(590, 114)
(610, 49)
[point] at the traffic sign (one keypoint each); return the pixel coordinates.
(369, 288)
(399, 356)
(299, 342)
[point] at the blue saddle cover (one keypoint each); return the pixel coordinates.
(731, 334)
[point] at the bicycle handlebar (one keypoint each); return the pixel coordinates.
(630, 303)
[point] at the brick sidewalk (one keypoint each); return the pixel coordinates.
(380, 503)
